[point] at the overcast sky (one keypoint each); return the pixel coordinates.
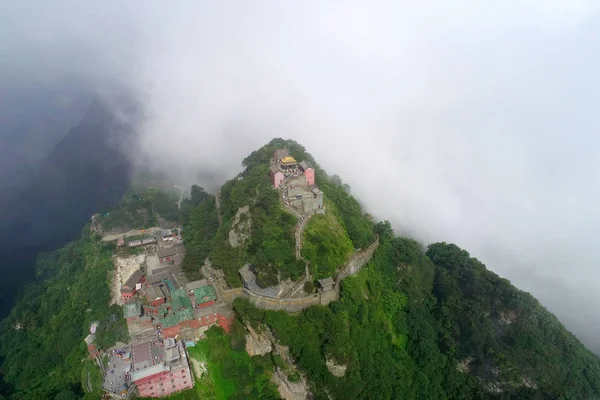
(473, 122)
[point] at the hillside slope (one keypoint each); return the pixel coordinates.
(434, 325)
(270, 244)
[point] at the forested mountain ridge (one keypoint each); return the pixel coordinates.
(417, 322)
(433, 325)
(269, 242)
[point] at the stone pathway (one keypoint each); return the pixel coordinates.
(218, 205)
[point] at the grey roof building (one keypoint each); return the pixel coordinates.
(166, 252)
(326, 284)
(249, 278)
(157, 278)
(304, 165)
(132, 281)
(280, 153)
(274, 169)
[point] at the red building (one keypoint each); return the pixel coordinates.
(309, 173)
(133, 284)
(277, 176)
(89, 341)
(216, 315)
(172, 331)
(160, 369)
(167, 254)
(155, 295)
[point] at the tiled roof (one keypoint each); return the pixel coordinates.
(196, 284)
(304, 165)
(274, 169)
(134, 278)
(185, 314)
(180, 299)
(205, 294)
(281, 153)
(167, 252)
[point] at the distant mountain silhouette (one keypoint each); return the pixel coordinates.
(87, 171)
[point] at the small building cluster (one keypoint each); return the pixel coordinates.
(296, 182)
(182, 312)
(164, 315)
(147, 238)
(160, 367)
(133, 284)
(162, 311)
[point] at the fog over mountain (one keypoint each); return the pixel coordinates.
(469, 122)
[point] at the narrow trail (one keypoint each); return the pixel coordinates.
(298, 231)
(218, 205)
(89, 383)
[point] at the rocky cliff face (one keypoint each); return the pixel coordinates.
(240, 228)
(291, 383)
(289, 390)
(257, 344)
(337, 370)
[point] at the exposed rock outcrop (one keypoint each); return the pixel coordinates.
(289, 390)
(464, 365)
(291, 383)
(257, 344)
(508, 317)
(240, 227)
(337, 370)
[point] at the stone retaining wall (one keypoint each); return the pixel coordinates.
(295, 304)
(356, 263)
(267, 303)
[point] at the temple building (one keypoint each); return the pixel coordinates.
(160, 369)
(288, 162)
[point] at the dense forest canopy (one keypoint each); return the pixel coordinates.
(325, 243)
(41, 341)
(434, 325)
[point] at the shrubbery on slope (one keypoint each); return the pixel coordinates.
(435, 325)
(271, 246)
(41, 341)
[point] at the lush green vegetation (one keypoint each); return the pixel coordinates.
(407, 321)
(270, 246)
(112, 328)
(415, 323)
(358, 225)
(355, 221)
(142, 209)
(271, 243)
(92, 374)
(325, 243)
(41, 341)
(201, 224)
(234, 374)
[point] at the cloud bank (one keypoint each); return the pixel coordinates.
(469, 122)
